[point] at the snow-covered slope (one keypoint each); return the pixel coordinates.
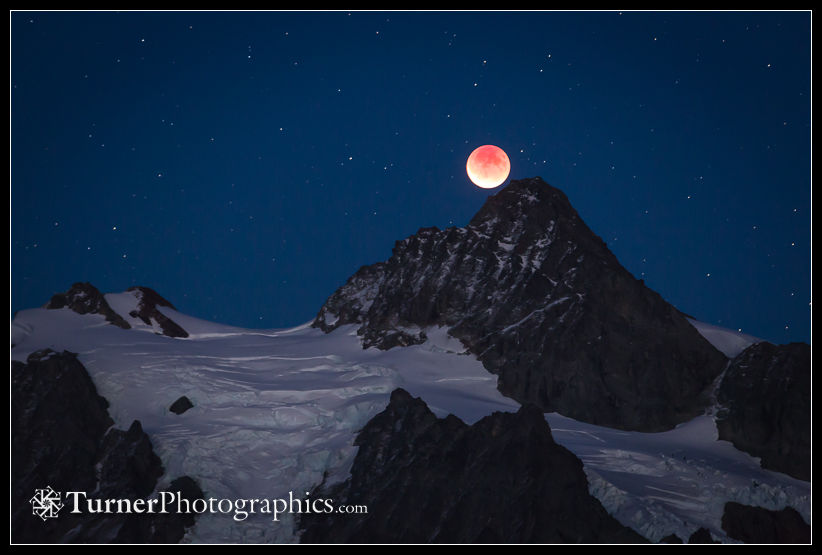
(276, 410)
(675, 481)
(729, 342)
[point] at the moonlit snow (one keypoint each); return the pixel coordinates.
(276, 410)
(730, 343)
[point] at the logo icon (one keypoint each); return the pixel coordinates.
(46, 503)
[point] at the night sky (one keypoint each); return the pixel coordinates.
(245, 164)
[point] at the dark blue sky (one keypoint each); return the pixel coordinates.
(245, 164)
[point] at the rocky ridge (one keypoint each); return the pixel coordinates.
(430, 480)
(63, 437)
(84, 298)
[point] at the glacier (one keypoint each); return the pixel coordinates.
(276, 411)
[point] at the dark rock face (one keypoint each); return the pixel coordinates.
(758, 525)
(189, 489)
(671, 538)
(543, 303)
(702, 535)
(84, 298)
(163, 528)
(128, 458)
(430, 480)
(148, 301)
(766, 395)
(62, 437)
(181, 405)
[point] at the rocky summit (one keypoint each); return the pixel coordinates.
(540, 299)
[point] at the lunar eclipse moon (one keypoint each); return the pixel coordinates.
(488, 166)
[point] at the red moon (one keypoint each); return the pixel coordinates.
(488, 166)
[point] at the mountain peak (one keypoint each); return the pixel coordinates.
(540, 299)
(530, 198)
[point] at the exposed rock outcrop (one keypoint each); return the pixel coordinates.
(181, 405)
(430, 480)
(766, 399)
(702, 535)
(84, 298)
(63, 437)
(758, 525)
(147, 302)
